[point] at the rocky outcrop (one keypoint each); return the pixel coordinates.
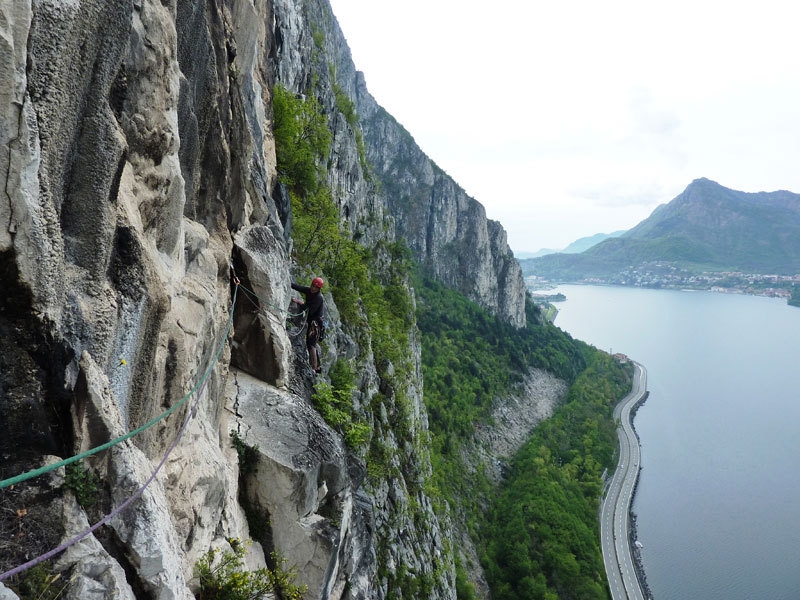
(139, 187)
(299, 481)
(446, 230)
(513, 419)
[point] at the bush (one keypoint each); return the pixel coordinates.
(464, 589)
(248, 455)
(302, 140)
(224, 578)
(335, 404)
(38, 582)
(83, 483)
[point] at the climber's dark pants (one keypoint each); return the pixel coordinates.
(312, 337)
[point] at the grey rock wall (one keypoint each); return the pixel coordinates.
(138, 169)
(446, 230)
(118, 280)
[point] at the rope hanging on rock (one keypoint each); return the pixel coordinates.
(261, 301)
(67, 461)
(199, 388)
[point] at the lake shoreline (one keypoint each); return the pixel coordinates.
(782, 292)
(718, 488)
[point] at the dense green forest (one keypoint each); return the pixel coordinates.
(542, 535)
(470, 356)
(541, 539)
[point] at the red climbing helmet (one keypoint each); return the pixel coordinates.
(317, 281)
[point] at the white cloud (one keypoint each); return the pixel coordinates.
(622, 194)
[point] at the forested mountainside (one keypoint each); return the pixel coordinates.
(170, 168)
(707, 227)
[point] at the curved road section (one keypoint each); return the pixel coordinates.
(614, 521)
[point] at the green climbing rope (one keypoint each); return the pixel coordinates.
(47, 468)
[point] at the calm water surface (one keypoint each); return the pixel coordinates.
(718, 503)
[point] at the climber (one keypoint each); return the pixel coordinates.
(315, 306)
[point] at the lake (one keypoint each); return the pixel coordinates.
(718, 503)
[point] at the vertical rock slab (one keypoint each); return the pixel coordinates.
(261, 346)
(28, 227)
(301, 481)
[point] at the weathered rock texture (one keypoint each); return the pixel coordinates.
(139, 175)
(446, 230)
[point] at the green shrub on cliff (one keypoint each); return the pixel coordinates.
(223, 577)
(369, 285)
(302, 140)
(334, 402)
(84, 483)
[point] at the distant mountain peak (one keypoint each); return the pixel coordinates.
(707, 226)
(701, 181)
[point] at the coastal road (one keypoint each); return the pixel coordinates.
(615, 511)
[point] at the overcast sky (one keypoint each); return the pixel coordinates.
(566, 119)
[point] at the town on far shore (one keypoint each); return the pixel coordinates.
(670, 276)
(667, 276)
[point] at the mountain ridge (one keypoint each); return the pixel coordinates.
(707, 227)
(579, 245)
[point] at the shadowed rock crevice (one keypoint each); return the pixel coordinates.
(260, 345)
(125, 269)
(34, 401)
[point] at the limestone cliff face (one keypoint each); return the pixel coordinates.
(131, 159)
(139, 182)
(446, 230)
